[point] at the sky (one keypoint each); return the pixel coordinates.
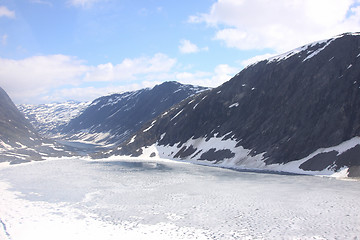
(54, 51)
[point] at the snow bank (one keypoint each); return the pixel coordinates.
(241, 159)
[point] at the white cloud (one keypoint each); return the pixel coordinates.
(130, 69)
(42, 2)
(83, 3)
(220, 74)
(5, 12)
(188, 47)
(279, 25)
(28, 78)
(34, 79)
(91, 93)
(4, 39)
(41, 79)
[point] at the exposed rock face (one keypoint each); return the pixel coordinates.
(112, 119)
(278, 110)
(19, 141)
(14, 128)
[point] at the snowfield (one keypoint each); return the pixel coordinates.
(47, 117)
(122, 198)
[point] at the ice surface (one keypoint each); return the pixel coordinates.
(138, 199)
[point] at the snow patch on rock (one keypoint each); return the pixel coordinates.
(243, 159)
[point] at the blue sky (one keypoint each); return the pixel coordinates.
(82, 49)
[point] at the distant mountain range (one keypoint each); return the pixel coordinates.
(109, 119)
(112, 119)
(49, 118)
(297, 112)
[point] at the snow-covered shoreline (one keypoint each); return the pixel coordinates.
(241, 159)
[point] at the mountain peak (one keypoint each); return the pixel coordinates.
(308, 51)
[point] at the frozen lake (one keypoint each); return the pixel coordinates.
(126, 199)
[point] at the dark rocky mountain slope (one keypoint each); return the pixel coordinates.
(15, 130)
(297, 112)
(19, 141)
(112, 119)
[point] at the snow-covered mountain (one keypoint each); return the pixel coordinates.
(48, 118)
(297, 112)
(112, 119)
(19, 141)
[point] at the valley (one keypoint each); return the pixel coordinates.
(179, 120)
(274, 115)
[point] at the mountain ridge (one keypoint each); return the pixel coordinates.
(113, 118)
(276, 112)
(48, 118)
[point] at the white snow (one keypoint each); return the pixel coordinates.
(162, 136)
(176, 115)
(21, 145)
(286, 55)
(49, 116)
(234, 105)
(123, 198)
(151, 125)
(132, 139)
(191, 101)
(318, 50)
(88, 137)
(242, 159)
(115, 98)
(294, 165)
(309, 53)
(5, 146)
